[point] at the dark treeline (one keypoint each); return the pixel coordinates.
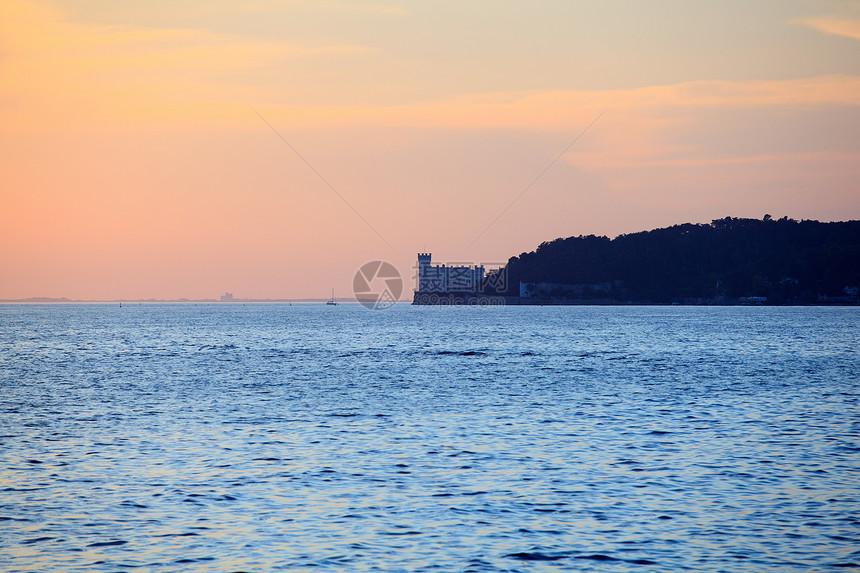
(785, 260)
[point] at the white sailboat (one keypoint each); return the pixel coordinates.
(332, 301)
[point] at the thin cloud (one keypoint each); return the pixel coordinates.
(562, 110)
(834, 26)
(55, 70)
(329, 6)
(351, 7)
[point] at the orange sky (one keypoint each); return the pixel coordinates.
(133, 162)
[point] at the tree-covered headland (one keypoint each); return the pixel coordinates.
(731, 260)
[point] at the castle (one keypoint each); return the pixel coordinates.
(447, 279)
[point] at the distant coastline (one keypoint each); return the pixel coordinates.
(61, 300)
(728, 262)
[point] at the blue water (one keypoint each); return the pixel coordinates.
(306, 437)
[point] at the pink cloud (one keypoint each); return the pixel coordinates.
(835, 26)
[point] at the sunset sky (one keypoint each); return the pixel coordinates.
(136, 161)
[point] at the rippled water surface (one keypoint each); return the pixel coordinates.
(261, 437)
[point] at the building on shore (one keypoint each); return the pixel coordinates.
(447, 278)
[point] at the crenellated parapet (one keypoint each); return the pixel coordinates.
(447, 278)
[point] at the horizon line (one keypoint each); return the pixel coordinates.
(66, 300)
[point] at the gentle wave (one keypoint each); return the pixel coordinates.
(259, 437)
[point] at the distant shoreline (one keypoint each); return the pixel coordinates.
(728, 261)
(63, 300)
(509, 301)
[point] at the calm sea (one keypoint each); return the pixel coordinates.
(261, 437)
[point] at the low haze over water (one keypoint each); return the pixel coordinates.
(306, 437)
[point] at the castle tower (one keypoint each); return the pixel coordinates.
(423, 268)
